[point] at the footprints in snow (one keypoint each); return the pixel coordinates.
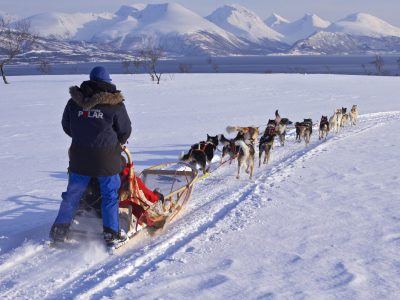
(339, 277)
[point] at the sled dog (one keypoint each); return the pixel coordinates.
(245, 157)
(345, 117)
(229, 148)
(244, 133)
(339, 116)
(354, 114)
(335, 122)
(304, 130)
(202, 153)
(323, 127)
(266, 142)
(281, 124)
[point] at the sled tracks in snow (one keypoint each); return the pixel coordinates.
(220, 203)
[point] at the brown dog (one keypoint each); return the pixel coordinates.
(244, 133)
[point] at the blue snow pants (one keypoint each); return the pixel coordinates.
(77, 184)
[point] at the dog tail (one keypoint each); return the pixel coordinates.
(183, 157)
(277, 113)
(231, 129)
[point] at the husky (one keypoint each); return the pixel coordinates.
(339, 116)
(333, 124)
(281, 124)
(244, 133)
(345, 117)
(335, 121)
(202, 153)
(229, 148)
(353, 114)
(323, 127)
(267, 142)
(246, 156)
(304, 130)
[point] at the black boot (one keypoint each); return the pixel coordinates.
(113, 239)
(59, 232)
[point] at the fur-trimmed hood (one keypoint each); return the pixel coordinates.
(89, 100)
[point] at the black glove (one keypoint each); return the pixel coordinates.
(160, 196)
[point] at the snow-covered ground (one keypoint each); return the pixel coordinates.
(320, 222)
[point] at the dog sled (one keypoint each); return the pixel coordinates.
(174, 181)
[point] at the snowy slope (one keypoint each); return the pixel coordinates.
(302, 28)
(68, 26)
(8, 17)
(243, 22)
(319, 222)
(365, 25)
(275, 20)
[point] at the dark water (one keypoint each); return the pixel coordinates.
(357, 65)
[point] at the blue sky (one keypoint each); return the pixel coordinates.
(332, 10)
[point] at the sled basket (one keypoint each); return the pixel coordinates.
(175, 181)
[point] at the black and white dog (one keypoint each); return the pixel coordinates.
(241, 148)
(202, 153)
(229, 147)
(281, 124)
(304, 130)
(323, 127)
(267, 142)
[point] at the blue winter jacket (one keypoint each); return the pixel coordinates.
(97, 121)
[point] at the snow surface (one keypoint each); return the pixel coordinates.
(318, 222)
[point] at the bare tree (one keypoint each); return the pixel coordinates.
(137, 63)
(213, 64)
(185, 68)
(126, 64)
(150, 57)
(44, 67)
(398, 62)
(14, 38)
(378, 63)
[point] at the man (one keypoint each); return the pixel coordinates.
(97, 121)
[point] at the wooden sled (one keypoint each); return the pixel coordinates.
(174, 180)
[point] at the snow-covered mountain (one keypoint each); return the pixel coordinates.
(275, 20)
(301, 28)
(363, 24)
(229, 30)
(356, 34)
(243, 23)
(173, 27)
(54, 50)
(72, 26)
(332, 43)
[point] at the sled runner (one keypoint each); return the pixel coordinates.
(174, 181)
